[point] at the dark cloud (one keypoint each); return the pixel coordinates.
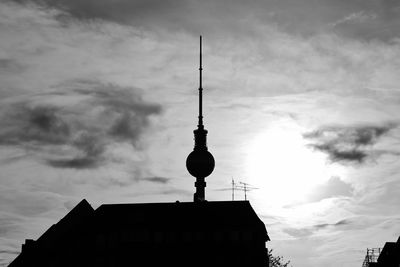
(295, 232)
(347, 144)
(369, 19)
(130, 112)
(24, 123)
(76, 135)
(75, 163)
(9, 252)
(8, 65)
(157, 179)
(339, 223)
(349, 155)
(91, 148)
(308, 231)
(43, 127)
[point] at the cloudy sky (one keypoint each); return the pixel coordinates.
(98, 100)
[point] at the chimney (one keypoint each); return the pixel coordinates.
(28, 246)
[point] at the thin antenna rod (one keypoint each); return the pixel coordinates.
(233, 189)
(245, 191)
(246, 188)
(201, 86)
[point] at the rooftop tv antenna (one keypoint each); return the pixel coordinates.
(245, 187)
(241, 186)
(200, 163)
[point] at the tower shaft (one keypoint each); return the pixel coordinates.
(200, 135)
(200, 194)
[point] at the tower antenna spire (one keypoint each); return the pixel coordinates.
(200, 163)
(201, 85)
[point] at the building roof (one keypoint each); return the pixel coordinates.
(182, 215)
(79, 215)
(179, 216)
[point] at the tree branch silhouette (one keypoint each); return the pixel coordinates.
(276, 261)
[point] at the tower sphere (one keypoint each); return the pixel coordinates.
(200, 163)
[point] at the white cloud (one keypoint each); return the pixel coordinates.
(358, 17)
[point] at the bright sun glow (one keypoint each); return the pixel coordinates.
(284, 168)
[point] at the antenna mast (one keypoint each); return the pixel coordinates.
(233, 189)
(201, 85)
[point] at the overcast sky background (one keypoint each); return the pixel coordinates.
(99, 101)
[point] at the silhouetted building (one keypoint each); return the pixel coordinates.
(225, 233)
(199, 233)
(388, 256)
